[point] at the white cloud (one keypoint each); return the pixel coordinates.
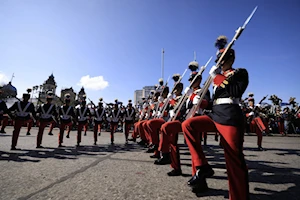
(93, 83)
(3, 79)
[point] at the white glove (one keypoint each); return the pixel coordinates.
(258, 105)
(214, 71)
(169, 95)
(196, 99)
(251, 113)
(160, 99)
(188, 91)
(171, 112)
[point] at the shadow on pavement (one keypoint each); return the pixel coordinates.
(260, 171)
(26, 155)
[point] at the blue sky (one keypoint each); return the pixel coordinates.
(121, 40)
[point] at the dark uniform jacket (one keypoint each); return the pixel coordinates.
(3, 109)
(47, 112)
(67, 114)
(23, 110)
(82, 114)
(230, 114)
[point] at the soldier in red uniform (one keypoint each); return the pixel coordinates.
(226, 118)
(115, 116)
(256, 124)
(99, 118)
(83, 115)
(3, 117)
(47, 115)
(170, 130)
(138, 126)
(25, 113)
(152, 126)
(67, 115)
(129, 118)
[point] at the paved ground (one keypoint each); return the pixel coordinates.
(126, 172)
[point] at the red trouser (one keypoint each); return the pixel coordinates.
(232, 142)
(97, 129)
(142, 131)
(80, 126)
(266, 124)
(259, 127)
(42, 126)
(17, 127)
(62, 130)
(169, 138)
(113, 128)
(4, 122)
(135, 130)
(280, 127)
(139, 130)
(152, 128)
(52, 125)
(29, 125)
(128, 125)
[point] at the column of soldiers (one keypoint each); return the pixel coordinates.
(23, 112)
(164, 115)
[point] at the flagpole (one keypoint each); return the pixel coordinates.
(162, 64)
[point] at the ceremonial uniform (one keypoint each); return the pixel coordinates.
(152, 126)
(83, 114)
(226, 118)
(138, 126)
(67, 115)
(256, 124)
(23, 109)
(129, 118)
(99, 118)
(115, 116)
(47, 115)
(3, 117)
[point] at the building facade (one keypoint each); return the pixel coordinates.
(138, 94)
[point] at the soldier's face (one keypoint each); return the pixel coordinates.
(251, 103)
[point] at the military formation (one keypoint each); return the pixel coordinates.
(169, 111)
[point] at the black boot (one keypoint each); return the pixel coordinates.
(132, 139)
(142, 142)
(175, 172)
(164, 160)
(152, 149)
(202, 173)
(200, 187)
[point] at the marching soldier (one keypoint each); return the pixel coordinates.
(115, 117)
(25, 113)
(3, 118)
(83, 114)
(47, 115)
(67, 115)
(129, 118)
(255, 122)
(138, 126)
(99, 118)
(226, 118)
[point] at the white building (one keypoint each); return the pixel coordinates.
(139, 94)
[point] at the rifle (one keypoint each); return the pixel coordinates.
(184, 97)
(92, 102)
(210, 79)
(168, 99)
